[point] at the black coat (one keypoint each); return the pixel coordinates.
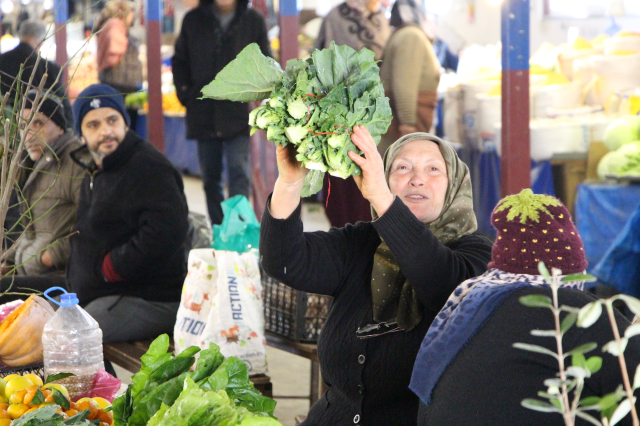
(134, 208)
(368, 378)
(486, 382)
(201, 51)
(10, 63)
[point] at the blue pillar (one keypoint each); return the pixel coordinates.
(516, 157)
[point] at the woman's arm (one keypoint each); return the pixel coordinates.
(315, 262)
(312, 262)
(433, 269)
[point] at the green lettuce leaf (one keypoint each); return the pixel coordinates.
(250, 77)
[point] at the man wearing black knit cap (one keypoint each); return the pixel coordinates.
(49, 183)
(128, 261)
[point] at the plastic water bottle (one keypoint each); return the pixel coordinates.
(72, 342)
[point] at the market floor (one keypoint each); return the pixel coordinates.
(289, 374)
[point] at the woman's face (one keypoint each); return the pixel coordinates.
(418, 176)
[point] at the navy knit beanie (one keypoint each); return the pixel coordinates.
(98, 96)
(50, 106)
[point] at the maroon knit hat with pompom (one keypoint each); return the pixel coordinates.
(535, 228)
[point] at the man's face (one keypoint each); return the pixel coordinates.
(225, 4)
(41, 133)
(103, 129)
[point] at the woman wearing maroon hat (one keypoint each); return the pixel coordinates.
(467, 371)
(389, 278)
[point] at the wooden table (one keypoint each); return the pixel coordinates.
(305, 350)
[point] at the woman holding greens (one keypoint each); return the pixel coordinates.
(389, 278)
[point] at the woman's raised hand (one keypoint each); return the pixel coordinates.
(290, 170)
(371, 182)
(288, 187)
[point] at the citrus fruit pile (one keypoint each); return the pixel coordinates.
(20, 395)
(170, 104)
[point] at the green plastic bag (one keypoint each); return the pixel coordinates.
(240, 230)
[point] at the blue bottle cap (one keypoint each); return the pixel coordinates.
(69, 299)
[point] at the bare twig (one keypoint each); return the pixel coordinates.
(623, 364)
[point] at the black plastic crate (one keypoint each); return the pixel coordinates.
(291, 313)
(37, 369)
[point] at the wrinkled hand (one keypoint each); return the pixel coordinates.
(371, 182)
(290, 170)
(288, 187)
(46, 259)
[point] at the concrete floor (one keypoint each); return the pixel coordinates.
(289, 374)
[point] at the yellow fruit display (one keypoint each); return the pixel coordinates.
(581, 43)
(57, 386)
(627, 33)
(16, 410)
(9, 377)
(16, 384)
(623, 52)
(35, 379)
(103, 403)
(21, 333)
(170, 104)
(17, 397)
(5, 422)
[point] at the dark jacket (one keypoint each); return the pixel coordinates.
(368, 378)
(134, 208)
(201, 51)
(10, 63)
(49, 189)
(486, 382)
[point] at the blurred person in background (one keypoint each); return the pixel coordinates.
(410, 73)
(32, 34)
(118, 62)
(357, 24)
(212, 35)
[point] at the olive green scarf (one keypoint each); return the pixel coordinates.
(393, 296)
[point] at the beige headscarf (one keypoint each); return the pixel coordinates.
(393, 296)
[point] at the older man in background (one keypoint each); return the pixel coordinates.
(49, 190)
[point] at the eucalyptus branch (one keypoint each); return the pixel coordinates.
(623, 364)
(567, 412)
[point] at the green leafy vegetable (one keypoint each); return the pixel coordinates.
(59, 376)
(251, 77)
(59, 398)
(38, 398)
(222, 384)
(313, 105)
(47, 416)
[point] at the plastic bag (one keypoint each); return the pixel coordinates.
(222, 303)
(240, 230)
(7, 308)
(104, 386)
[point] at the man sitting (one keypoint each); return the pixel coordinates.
(127, 262)
(49, 189)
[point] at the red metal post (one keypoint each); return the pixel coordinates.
(155, 119)
(516, 157)
(61, 18)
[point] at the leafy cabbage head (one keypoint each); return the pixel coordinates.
(297, 109)
(295, 134)
(266, 119)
